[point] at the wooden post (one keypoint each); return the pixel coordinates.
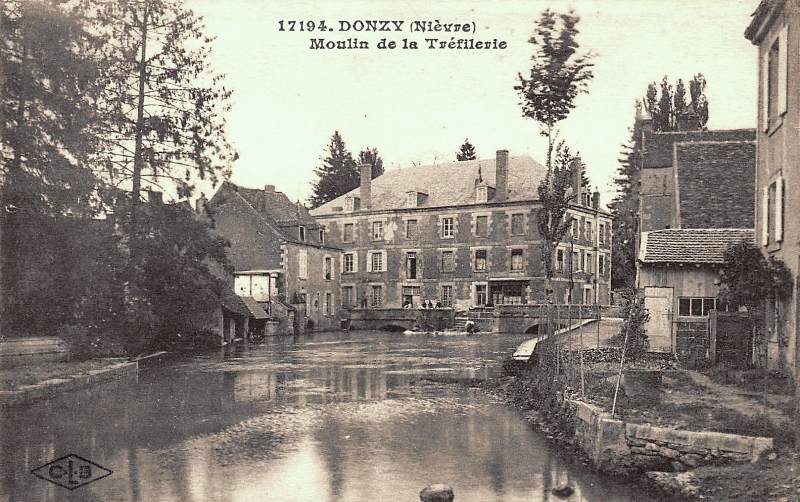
(580, 332)
(619, 375)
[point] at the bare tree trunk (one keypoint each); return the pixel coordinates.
(137, 155)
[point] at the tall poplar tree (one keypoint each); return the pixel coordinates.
(337, 175)
(558, 74)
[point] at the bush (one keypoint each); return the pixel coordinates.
(636, 317)
(84, 342)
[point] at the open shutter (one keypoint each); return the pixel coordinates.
(765, 91)
(783, 48)
(779, 209)
(765, 215)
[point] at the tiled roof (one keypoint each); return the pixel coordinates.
(658, 145)
(277, 205)
(256, 310)
(449, 184)
(691, 245)
(716, 184)
(233, 302)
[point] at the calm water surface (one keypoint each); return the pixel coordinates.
(329, 417)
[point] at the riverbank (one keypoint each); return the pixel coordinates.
(773, 476)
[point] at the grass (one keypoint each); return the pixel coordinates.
(19, 376)
(753, 380)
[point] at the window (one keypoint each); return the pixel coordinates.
(322, 236)
(348, 263)
(480, 260)
(377, 296)
(376, 261)
(347, 296)
(588, 267)
(601, 265)
(587, 230)
(559, 260)
(517, 224)
(481, 194)
(411, 295)
(601, 231)
(377, 230)
(348, 233)
(411, 229)
(481, 226)
(448, 261)
(480, 294)
(516, 260)
(411, 265)
(302, 264)
(328, 303)
(773, 209)
(447, 296)
(696, 307)
(774, 92)
(574, 229)
(448, 227)
(575, 262)
(302, 233)
(587, 296)
(349, 204)
(411, 199)
(328, 268)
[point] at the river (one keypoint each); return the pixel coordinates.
(327, 417)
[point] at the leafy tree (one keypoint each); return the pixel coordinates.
(748, 278)
(558, 74)
(633, 332)
(337, 175)
(466, 151)
(669, 109)
(164, 106)
(372, 157)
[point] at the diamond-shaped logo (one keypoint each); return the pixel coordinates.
(71, 471)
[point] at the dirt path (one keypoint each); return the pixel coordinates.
(742, 401)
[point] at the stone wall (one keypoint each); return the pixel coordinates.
(615, 446)
(377, 319)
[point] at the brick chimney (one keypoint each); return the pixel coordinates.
(365, 192)
(577, 183)
(200, 205)
(269, 188)
(501, 176)
(154, 197)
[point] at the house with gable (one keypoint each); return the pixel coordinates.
(696, 198)
(463, 234)
(775, 30)
(279, 255)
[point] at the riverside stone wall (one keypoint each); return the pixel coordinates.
(616, 446)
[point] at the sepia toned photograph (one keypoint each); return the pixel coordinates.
(357, 251)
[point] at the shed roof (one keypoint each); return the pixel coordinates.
(691, 245)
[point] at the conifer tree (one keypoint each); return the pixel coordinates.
(373, 157)
(466, 151)
(337, 175)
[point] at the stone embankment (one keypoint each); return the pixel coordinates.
(615, 446)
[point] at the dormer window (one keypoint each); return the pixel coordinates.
(302, 233)
(481, 194)
(352, 203)
(411, 199)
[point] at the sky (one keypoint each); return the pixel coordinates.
(418, 106)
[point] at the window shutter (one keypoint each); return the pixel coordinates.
(783, 48)
(779, 209)
(355, 261)
(765, 215)
(765, 91)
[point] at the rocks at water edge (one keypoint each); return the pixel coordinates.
(563, 490)
(437, 493)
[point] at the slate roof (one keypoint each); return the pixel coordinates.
(716, 184)
(691, 245)
(449, 184)
(658, 145)
(277, 205)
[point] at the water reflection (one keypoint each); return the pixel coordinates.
(339, 417)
